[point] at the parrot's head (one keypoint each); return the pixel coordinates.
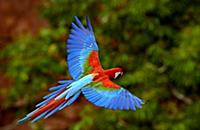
(114, 72)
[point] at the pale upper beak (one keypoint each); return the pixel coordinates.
(117, 74)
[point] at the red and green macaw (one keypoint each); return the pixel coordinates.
(88, 78)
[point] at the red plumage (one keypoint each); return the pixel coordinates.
(103, 75)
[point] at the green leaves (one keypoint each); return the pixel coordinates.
(33, 62)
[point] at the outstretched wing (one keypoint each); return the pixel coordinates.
(81, 45)
(107, 94)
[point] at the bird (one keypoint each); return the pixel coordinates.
(88, 78)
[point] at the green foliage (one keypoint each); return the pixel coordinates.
(156, 42)
(30, 62)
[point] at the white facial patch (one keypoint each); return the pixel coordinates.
(117, 74)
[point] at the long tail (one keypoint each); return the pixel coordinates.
(64, 94)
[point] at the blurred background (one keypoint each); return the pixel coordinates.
(156, 42)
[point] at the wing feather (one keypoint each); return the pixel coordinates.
(80, 44)
(107, 94)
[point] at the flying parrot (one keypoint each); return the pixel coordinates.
(88, 78)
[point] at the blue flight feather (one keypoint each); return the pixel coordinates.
(40, 116)
(66, 82)
(56, 87)
(53, 111)
(120, 99)
(54, 93)
(80, 44)
(79, 23)
(21, 121)
(89, 24)
(70, 101)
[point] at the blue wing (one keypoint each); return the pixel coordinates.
(80, 44)
(105, 95)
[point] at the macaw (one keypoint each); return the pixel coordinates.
(88, 78)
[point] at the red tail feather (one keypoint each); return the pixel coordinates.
(49, 106)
